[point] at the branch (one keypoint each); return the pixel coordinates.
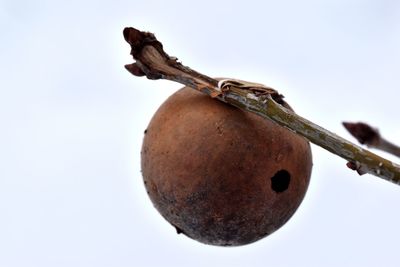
(153, 62)
(371, 137)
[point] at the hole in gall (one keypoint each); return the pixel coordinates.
(280, 181)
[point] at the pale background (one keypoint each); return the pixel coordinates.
(72, 122)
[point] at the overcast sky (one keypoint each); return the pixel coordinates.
(72, 122)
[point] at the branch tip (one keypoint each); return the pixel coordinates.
(364, 133)
(138, 40)
(132, 35)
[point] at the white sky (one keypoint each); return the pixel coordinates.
(72, 122)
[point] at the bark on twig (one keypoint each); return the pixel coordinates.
(154, 63)
(367, 135)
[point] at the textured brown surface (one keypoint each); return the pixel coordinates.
(207, 168)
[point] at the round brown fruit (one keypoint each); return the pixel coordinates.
(221, 175)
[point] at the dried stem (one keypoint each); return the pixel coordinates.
(152, 61)
(367, 135)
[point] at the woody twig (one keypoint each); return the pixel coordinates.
(153, 62)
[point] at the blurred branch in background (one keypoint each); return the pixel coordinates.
(369, 136)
